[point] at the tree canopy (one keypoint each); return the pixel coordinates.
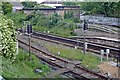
(110, 9)
(29, 4)
(6, 7)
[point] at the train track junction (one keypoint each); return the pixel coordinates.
(64, 65)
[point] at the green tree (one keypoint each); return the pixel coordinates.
(68, 15)
(29, 4)
(70, 3)
(17, 17)
(8, 40)
(110, 9)
(54, 19)
(6, 7)
(0, 6)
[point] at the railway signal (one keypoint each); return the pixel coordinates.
(85, 27)
(29, 32)
(29, 29)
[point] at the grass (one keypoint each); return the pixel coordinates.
(56, 31)
(22, 67)
(88, 60)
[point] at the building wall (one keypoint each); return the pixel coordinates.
(61, 11)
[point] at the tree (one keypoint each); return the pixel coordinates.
(29, 4)
(0, 6)
(109, 9)
(68, 14)
(6, 7)
(70, 3)
(54, 19)
(7, 36)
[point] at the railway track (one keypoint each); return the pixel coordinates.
(114, 52)
(77, 70)
(99, 40)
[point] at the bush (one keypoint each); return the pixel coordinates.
(8, 40)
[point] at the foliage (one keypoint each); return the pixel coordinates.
(76, 19)
(0, 6)
(38, 18)
(17, 17)
(42, 6)
(105, 8)
(8, 40)
(70, 3)
(54, 19)
(34, 5)
(6, 7)
(88, 60)
(68, 14)
(22, 67)
(29, 4)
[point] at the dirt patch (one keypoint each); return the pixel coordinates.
(109, 68)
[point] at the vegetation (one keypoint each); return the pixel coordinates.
(8, 41)
(41, 22)
(22, 67)
(0, 6)
(34, 5)
(70, 3)
(6, 7)
(88, 60)
(110, 9)
(29, 4)
(18, 18)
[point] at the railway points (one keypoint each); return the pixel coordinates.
(85, 71)
(72, 40)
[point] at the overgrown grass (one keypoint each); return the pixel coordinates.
(22, 67)
(88, 60)
(55, 31)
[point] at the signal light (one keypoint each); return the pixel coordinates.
(85, 26)
(29, 29)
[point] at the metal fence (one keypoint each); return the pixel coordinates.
(102, 20)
